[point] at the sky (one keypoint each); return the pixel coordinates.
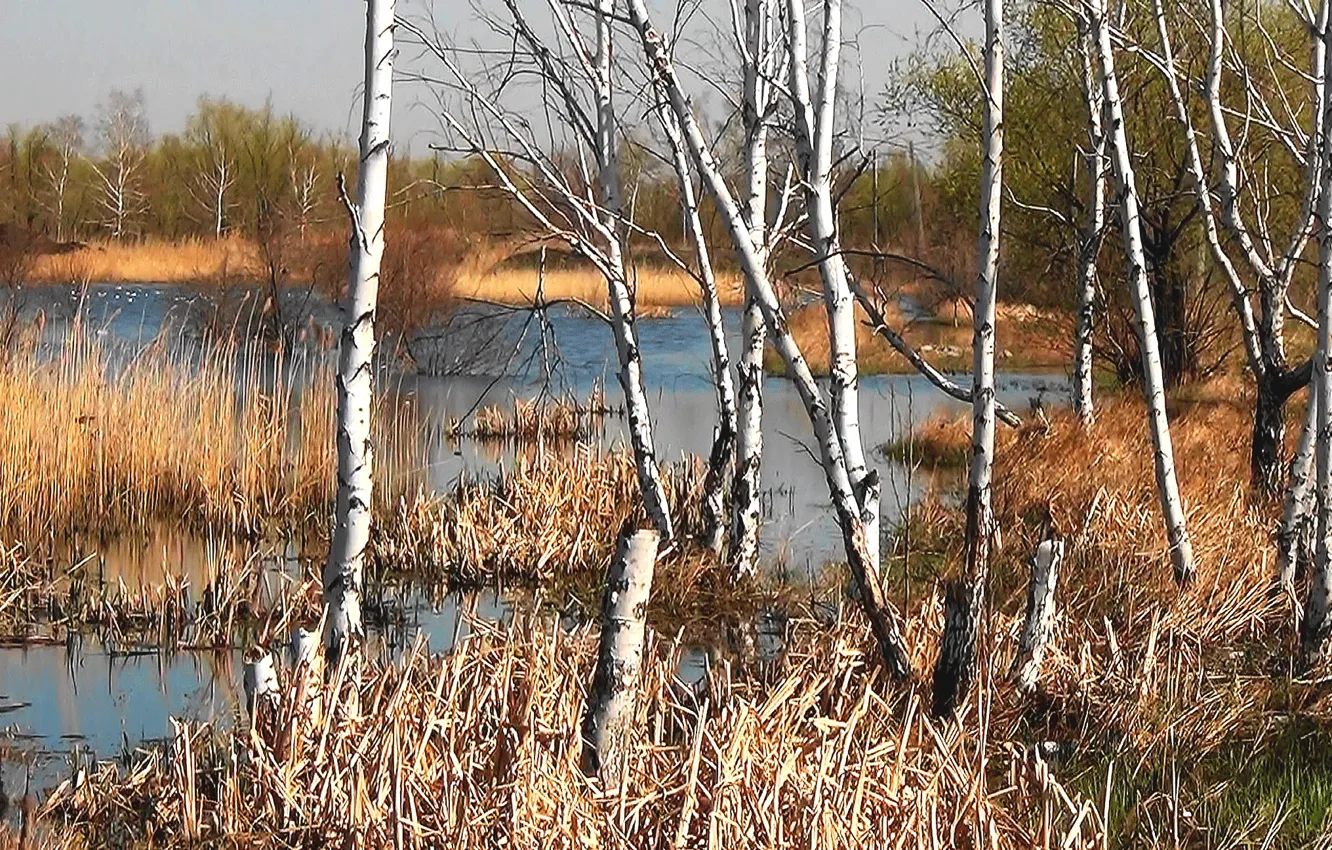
(62, 56)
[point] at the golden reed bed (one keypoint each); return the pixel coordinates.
(478, 273)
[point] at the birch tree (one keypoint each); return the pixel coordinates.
(957, 658)
(882, 617)
(1181, 550)
(66, 135)
(590, 217)
(355, 377)
(215, 166)
(814, 130)
(1315, 625)
(759, 60)
(724, 438)
(122, 126)
(1089, 243)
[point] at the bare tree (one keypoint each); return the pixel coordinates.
(590, 217)
(1089, 243)
(305, 187)
(882, 617)
(355, 377)
(122, 127)
(215, 165)
(1181, 550)
(66, 135)
(723, 440)
(759, 58)
(955, 669)
(1263, 332)
(1315, 625)
(814, 131)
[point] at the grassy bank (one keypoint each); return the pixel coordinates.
(1184, 693)
(1030, 340)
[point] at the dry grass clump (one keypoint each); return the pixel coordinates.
(553, 515)
(480, 748)
(190, 260)
(42, 601)
(225, 437)
(657, 286)
(1031, 340)
(939, 441)
(536, 419)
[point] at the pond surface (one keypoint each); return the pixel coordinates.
(92, 696)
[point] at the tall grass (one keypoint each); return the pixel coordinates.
(219, 435)
(191, 260)
(480, 748)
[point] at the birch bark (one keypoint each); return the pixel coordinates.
(610, 704)
(1315, 625)
(621, 302)
(746, 485)
(355, 377)
(1181, 550)
(883, 620)
(814, 130)
(1090, 245)
(957, 659)
(723, 440)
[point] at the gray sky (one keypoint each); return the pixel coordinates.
(62, 56)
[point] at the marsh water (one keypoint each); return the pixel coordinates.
(92, 697)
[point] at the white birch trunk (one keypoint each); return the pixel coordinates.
(746, 485)
(259, 680)
(957, 658)
(723, 440)
(355, 378)
(1036, 631)
(621, 302)
(1295, 512)
(610, 704)
(1181, 550)
(882, 618)
(1315, 625)
(814, 130)
(1090, 245)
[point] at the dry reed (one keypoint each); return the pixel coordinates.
(220, 436)
(479, 748)
(192, 260)
(533, 420)
(1032, 340)
(657, 287)
(553, 515)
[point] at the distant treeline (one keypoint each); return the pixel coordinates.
(237, 170)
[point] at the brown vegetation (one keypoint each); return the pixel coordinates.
(1031, 339)
(205, 438)
(480, 749)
